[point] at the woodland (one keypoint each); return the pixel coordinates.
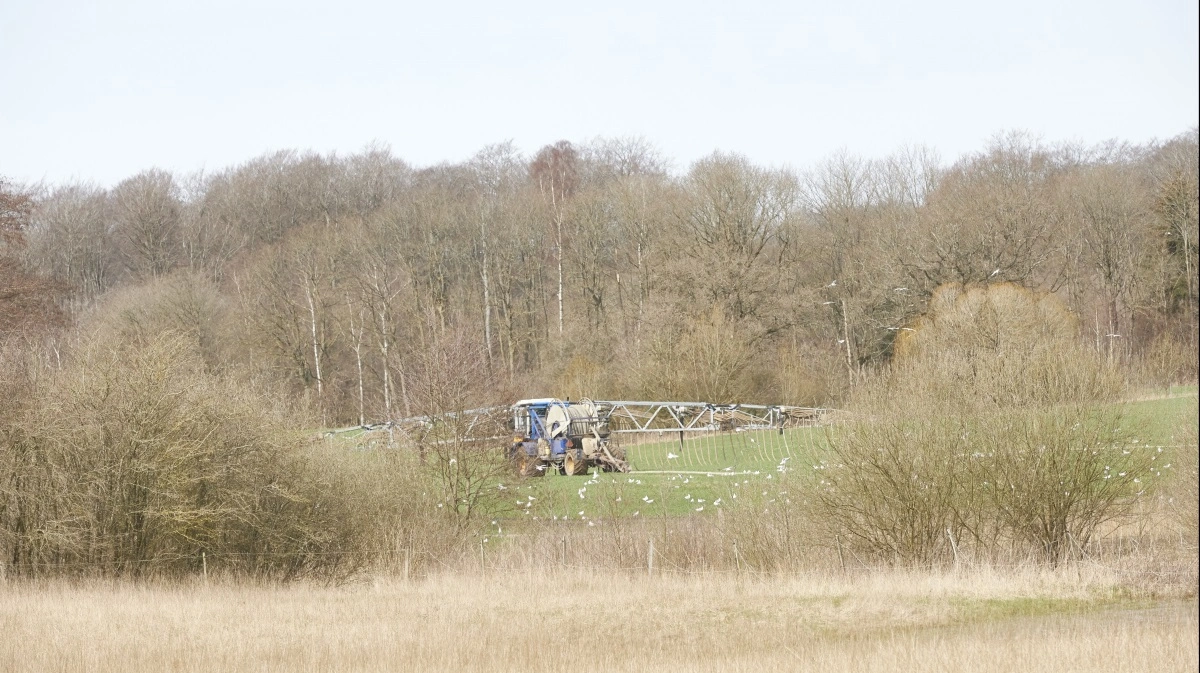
(166, 344)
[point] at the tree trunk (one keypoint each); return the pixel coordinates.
(312, 315)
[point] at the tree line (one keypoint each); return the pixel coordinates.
(593, 270)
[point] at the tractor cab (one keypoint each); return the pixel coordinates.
(534, 431)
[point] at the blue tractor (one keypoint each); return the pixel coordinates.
(568, 437)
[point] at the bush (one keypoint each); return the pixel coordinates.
(134, 461)
(992, 427)
(897, 483)
(1052, 477)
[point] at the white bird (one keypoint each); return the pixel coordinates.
(671, 456)
(832, 284)
(827, 303)
(841, 341)
(994, 273)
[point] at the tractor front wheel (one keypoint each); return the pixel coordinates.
(528, 466)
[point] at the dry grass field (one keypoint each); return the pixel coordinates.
(1070, 620)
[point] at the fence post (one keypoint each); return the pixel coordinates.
(841, 558)
(204, 565)
(737, 558)
(406, 564)
(650, 559)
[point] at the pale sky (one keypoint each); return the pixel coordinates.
(100, 91)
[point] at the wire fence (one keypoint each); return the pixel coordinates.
(652, 557)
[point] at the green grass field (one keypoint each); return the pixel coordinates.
(728, 451)
(706, 472)
(700, 474)
(1161, 420)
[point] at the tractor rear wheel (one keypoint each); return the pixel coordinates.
(617, 453)
(574, 464)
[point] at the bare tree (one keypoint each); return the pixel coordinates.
(1112, 216)
(447, 380)
(733, 232)
(28, 300)
(555, 171)
(146, 210)
(71, 238)
(497, 170)
(1178, 206)
(994, 217)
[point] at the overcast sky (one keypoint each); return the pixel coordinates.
(100, 91)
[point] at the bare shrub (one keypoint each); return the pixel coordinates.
(388, 506)
(1167, 361)
(133, 461)
(992, 427)
(897, 483)
(779, 530)
(459, 449)
(1053, 477)
(185, 304)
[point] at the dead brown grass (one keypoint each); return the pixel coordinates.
(887, 621)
